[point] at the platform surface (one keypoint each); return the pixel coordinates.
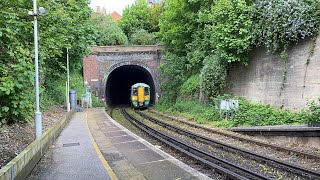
(72, 156)
(131, 157)
(122, 154)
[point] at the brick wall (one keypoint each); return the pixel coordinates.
(261, 80)
(104, 58)
(90, 69)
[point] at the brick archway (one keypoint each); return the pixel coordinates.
(104, 60)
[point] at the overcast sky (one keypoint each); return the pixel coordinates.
(111, 5)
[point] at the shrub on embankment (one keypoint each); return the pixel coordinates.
(208, 37)
(65, 25)
(248, 113)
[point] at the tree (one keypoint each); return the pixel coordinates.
(134, 17)
(142, 37)
(141, 16)
(64, 26)
(108, 32)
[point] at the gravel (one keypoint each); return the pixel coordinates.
(178, 155)
(16, 137)
(280, 155)
(257, 166)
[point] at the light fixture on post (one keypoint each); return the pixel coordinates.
(38, 115)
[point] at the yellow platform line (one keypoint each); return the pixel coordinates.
(102, 159)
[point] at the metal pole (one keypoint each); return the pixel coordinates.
(38, 118)
(68, 82)
(67, 93)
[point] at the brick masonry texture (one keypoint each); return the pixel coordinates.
(103, 60)
(261, 80)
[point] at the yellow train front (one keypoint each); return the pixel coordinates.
(140, 95)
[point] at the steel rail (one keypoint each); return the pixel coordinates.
(298, 169)
(197, 153)
(285, 149)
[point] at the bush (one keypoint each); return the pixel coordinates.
(312, 114)
(251, 114)
(213, 77)
(192, 110)
(191, 88)
(55, 93)
(142, 37)
(280, 22)
(248, 113)
(108, 31)
(97, 103)
(231, 29)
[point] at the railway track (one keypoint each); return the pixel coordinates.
(229, 169)
(306, 173)
(280, 148)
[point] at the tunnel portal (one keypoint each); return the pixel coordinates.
(120, 81)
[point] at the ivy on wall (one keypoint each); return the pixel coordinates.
(278, 23)
(208, 36)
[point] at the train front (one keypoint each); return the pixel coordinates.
(140, 95)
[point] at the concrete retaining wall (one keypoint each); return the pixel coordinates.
(21, 166)
(261, 80)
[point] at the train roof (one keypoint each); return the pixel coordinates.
(140, 84)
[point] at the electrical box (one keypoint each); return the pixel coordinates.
(228, 107)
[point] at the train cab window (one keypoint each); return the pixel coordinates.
(135, 91)
(146, 91)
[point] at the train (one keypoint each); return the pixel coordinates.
(140, 96)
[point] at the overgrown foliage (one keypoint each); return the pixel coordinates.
(142, 37)
(207, 37)
(140, 16)
(190, 89)
(64, 26)
(230, 29)
(248, 114)
(108, 31)
(281, 22)
(213, 77)
(16, 77)
(200, 32)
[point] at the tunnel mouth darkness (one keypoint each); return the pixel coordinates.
(120, 81)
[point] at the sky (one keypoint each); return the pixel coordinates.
(111, 5)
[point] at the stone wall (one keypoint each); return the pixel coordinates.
(104, 59)
(261, 80)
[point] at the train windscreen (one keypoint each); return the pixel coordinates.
(146, 91)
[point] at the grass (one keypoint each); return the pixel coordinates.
(248, 114)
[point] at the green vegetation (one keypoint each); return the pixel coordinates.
(207, 37)
(108, 31)
(276, 30)
(202, 40)
(64, 26)
(248, 114)
(142, 37)
(140, 22)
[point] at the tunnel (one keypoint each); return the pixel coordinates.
(120, 81)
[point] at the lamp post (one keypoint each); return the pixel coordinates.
(68, 82)
(38, 115)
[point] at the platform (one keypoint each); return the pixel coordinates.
(284, 134)
(94, 146)
(131, 157)
(72, 156)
